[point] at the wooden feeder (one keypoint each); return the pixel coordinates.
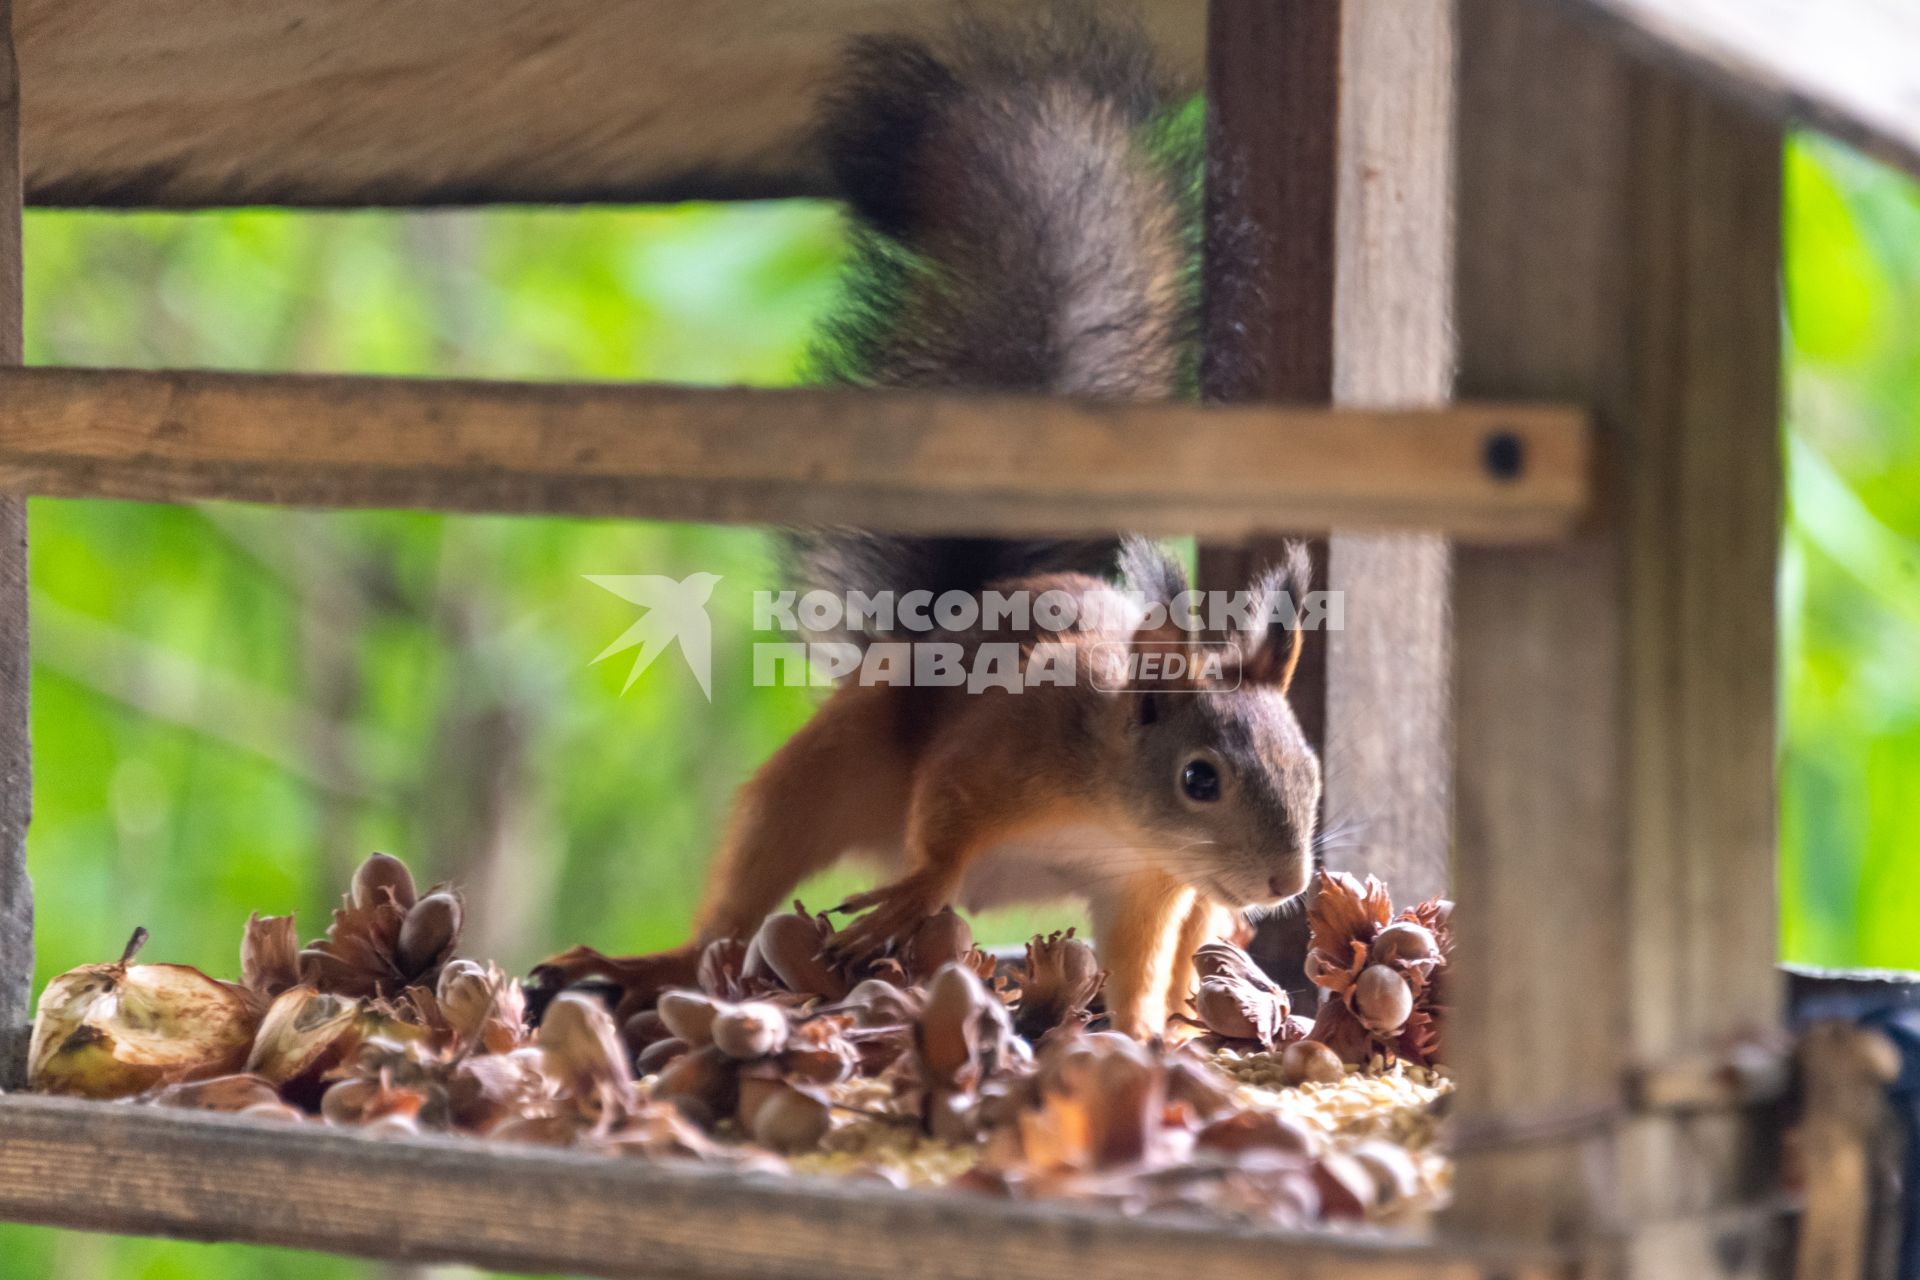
(1523, 335)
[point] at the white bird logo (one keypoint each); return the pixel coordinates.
(675, 611)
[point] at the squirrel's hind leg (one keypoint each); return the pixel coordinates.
(840, 784)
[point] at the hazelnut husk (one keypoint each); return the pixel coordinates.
(1235, 1009)
(269, 955)
(1058, 983)
(383, 939)
(1382, 972)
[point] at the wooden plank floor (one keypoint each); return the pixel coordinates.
(138, 1170)
(913, 461)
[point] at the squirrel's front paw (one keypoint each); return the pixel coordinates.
(892, 912)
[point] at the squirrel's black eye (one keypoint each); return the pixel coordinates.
(1201, 781)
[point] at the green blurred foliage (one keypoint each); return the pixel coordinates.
(232, 705)
(1850, 573)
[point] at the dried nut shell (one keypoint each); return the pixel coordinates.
(748, 1031)
(704, 1082)
(345, 1102)
(643, 1028)
(1241, 1010)
(430, 932)
(269, 954)
(274, 1111)
(875, 1003)
(1404, 942)
(1395, 1176)
(1201, 1089)
(381, 877)
(657, 1055)
(115, 1030)
(556, 1130)
(483, 1006)
(1382, 1000)
(1347, 1187)
(392, 1125)
(947, 1035)
(829, 1062)
(789, 1121)
(231, 1094)
(1310, 1062)
(688, 1015)
(953, 1116)
(304, 1032)
(791, 947)
(1061, 977)
(488, 1089)
(580, 1048)
(1259, 1131)
(723, 965)
(1221, 959)
(941, 939)
(1129, 1097)
(755, 1088)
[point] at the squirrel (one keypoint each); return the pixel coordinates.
(1021, 226)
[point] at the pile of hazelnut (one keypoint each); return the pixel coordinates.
(779, 1050)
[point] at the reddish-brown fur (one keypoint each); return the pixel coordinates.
(932, 779)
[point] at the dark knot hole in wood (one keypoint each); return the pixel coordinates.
(1504, 455)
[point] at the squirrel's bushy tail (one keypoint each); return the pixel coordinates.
(1024, 222)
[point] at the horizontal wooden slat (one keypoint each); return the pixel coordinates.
(1848, 67)
(411, 102)
(910, 461)
(147, 1171)
(182, 103)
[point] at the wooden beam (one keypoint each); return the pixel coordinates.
(901, 460)
(16, 771)
(1850, 68)
(1272, 88)
(150, 1171)
(1389, 758)
(181, 103)
(1273, 94)
(1619, 243)
(1331, 148)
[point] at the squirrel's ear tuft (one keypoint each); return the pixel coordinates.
(1271, 642)
(1147, 570)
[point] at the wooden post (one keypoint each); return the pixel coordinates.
(1331, 151)
(1618, 243)
(1389, 757)
(16, 789)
